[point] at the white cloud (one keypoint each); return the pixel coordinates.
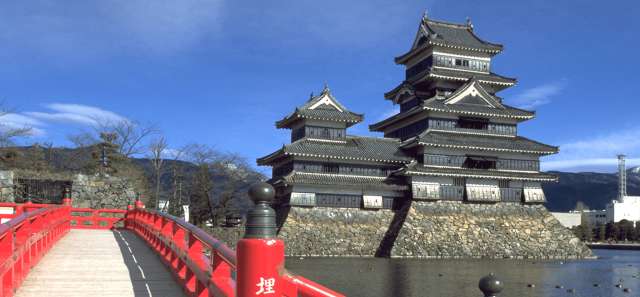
(587, 163)
(58, 113)
(539, 95)
(18, 121)
(600, 150)
(78, 29)
(77, 113)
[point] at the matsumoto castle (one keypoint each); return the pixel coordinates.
(453, 139)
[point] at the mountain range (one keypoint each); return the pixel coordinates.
(593, 189)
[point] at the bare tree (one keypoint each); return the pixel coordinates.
(8, 133)
(83, 139)
(131, 135)
(201, 182)
(157, 149)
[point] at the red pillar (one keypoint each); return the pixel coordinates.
(138, 203)
(66, 198)
(260, 255)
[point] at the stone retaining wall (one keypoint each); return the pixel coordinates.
(94, 191)
(6, 186)
(102, 191)
(345, 232)
(425, 230)
(228, 235)
(503, 230)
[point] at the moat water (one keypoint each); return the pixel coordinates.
(459, 278)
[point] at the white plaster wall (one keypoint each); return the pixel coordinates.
(568, 219)
(628, 210)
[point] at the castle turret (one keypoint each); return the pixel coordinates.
(462, 136)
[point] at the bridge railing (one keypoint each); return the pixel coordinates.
(80, 218)
(205, 266)
(25, 239)
(89, 218)
(202, 264)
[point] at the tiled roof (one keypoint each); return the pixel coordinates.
(418, 169)
(345, 180)
(316, 109)
(453, 74)
(449, 35)
(434, 104)
(478, 110)
(380, 150)
(484, 143)
(456, 35)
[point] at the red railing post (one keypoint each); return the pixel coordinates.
(260, 255)
(7, 245)
(66, 198)
(138, 203)
(196, 255)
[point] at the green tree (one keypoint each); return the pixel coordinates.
(626, 230)
(612, 231)
(602, 232)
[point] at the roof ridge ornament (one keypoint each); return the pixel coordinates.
(469, 23)
(326, 89)
(425, 15)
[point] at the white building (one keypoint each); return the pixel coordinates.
(625, 207)
(568, 219)
(594, 217)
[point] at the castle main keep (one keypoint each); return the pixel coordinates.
(451, 176)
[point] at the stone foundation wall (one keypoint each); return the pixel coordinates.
(88, 191)
(503, 230)
(345, 232)
(102, 191)
(424, 230)
(228, 235)
(6, 186)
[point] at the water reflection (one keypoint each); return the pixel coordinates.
(459, 278)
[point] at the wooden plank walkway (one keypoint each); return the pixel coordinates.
(100, 263)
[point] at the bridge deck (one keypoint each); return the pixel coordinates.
(100, 263)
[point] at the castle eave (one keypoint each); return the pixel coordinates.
(491, 149)
(368, 182)
(476, 173)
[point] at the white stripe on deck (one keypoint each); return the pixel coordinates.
(100, 263)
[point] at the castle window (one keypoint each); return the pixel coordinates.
(324, 132)
(476, 65)
(479, 163)
(473, 123)
(333, 200)
(461, 62)
(330, 168)
(459, 181)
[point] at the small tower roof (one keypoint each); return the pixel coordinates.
(450, 35)
(324, 107)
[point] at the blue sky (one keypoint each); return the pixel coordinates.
(222, 72)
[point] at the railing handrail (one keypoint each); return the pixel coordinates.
(21, 218)
(25, 238)
(202, 264)
(216, 245)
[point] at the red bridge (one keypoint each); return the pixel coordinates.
(59, 250)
